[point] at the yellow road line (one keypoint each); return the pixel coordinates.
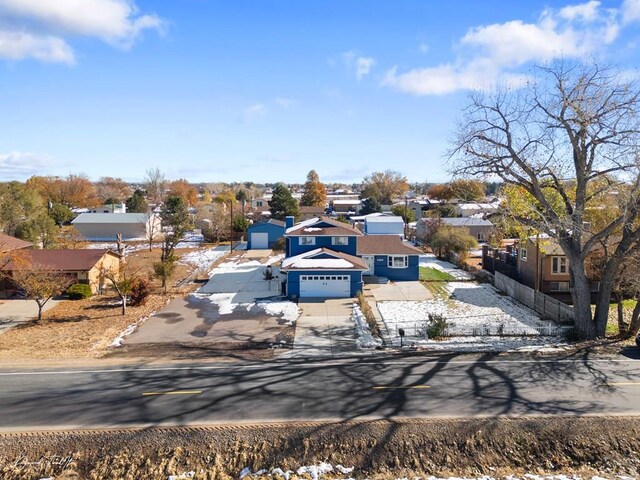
(173, 392)
(621, 384)
(420, 387)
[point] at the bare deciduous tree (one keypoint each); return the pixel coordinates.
(123, 281)
(569, 139)
(155, 185)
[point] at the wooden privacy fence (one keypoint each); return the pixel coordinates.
(546, 306)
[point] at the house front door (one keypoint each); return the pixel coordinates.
(370, 261)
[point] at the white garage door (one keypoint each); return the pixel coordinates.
(333, 286)
(259, 240)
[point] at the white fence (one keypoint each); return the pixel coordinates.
(546, 306)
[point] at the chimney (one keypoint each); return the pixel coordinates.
(289, 221)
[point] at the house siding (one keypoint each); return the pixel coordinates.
(294, 248)
(274, 232)
(410, 273)
(293, 280)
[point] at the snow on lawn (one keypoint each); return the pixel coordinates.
(364, 338)
(473, 309)
(202, 259)
(430, 260)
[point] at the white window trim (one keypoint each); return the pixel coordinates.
(334, 240)
(559, 263)
(308, 241)
(390, 261)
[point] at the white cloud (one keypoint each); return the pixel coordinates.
(44, 25)
(423, 47)
(490, 54)
(45, 48)
(21, 165)
(630, 10)
(284, 102)
(360, 65)
(254, 112)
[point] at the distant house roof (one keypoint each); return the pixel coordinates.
(384, 219)
(111, 218)
(278, 223)
(310, 209)
(324, 259)
(465, 222)
(9, 243)
(66, 260)
(322, 226)
(384, 245)
(347, 202)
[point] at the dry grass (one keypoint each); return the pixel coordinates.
(85, 328)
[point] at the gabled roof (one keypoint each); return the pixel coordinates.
(277, 223)
(323, 226)
(384, 245)
(461, 222)
(323, 259)
(66, 260)
(9, 243)
(111, 218)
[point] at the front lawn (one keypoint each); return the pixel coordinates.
(429, 274)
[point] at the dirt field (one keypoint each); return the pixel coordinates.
(377, 449)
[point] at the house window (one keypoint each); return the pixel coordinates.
(397, 261)
(258, 204)
(559, 286)
(339, 240)
(523, 254)
(558, 265)
(307, 240)
(481, 236)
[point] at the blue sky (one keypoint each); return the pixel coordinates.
(265, 90)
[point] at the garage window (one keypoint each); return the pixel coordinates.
(307, 240)
(397, 261)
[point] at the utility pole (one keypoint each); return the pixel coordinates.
(231, 229)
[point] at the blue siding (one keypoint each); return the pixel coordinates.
(296, 249)
(293, 280)
(274, 232)
(412, 272)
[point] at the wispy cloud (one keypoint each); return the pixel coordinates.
(360, 65)
(41, 29)
(254, 112)
(284, 102)
(21, 165)
(494, 54)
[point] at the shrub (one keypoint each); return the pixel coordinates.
(79, 291)
(140, 291)
(437, 326)
(367, 311)
(279, 245)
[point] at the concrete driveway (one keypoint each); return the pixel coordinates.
(16, 311)
(399, 291)
(324, 329)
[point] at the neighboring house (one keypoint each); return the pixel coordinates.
(478, 228)
(84, 265)
(542, 265)
(264, 234)
(384, 225)
(260, 203)
(10, 244)
(105, 226)
(110, 208)
(327, 258)
(346, 206)
(308, 212)
(388, 256)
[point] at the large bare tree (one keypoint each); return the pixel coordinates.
(569, 140)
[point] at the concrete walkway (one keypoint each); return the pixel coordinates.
(16, 311)
(324, 329)
(400, 291)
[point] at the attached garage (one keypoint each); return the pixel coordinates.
(259, 240)
(333, 286)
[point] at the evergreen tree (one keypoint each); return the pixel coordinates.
(136, 203)
(282, 204)
(370, 205)
(315, 193)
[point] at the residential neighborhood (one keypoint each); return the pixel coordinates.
(337, 240)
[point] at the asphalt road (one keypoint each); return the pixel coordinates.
(358, 388)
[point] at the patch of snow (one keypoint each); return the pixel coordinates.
(364, 338)
(287, 310)
(182, 476)
(275, 259)
(315, 471)
(224, 302)
(328, 263)
(312, 229)
(202, 259)
(430, 260)
(117, 342)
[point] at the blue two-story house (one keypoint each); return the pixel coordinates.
(327, 258)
